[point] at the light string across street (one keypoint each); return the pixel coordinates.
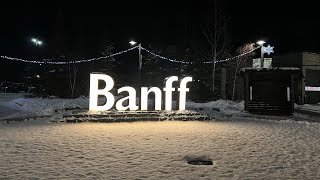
(118, 53)
(206, 62)
(67, 62)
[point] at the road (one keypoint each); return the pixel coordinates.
(5, 99)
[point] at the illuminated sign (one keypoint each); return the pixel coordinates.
(95, 92)
(267, 63)
(310, 88)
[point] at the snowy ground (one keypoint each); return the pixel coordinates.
(308, 107)
(241, 145)
(160, 150)
(32, 107)
(5, 99)
(21, 107)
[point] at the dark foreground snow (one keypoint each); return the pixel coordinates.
(160, 150)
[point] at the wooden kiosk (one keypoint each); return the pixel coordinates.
(270, 90)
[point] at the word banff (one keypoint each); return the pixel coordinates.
(95, 92)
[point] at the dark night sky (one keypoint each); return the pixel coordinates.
(289, 26)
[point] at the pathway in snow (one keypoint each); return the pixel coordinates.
(5, 111)
(160, 150)
(5, 99)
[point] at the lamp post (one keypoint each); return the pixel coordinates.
(264, 49)
(132, 43)
(140, 58)
(261, 42)
(36, 41)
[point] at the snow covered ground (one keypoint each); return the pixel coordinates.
(5, 99)
(160, 150)
(54, 107)
(240, 145)
(313, 108)
(31, 107)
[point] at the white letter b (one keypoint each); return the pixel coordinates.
(95, 92)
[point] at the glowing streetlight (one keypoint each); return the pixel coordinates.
(268, 49)
(140, 57)
(36, 41)
(132, 42)
(261, 42)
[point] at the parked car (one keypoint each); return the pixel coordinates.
(20, 87)
(31, 89)
(6, 87)
(10, 87)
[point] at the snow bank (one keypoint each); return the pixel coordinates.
(220, 109)
(55, 108)
(44, 106)
(51, 106)
(32, 107)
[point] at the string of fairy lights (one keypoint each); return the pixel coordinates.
(45, 61)
(206, 62)
(70, 61)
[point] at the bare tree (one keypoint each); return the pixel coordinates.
(107, 65)
(242, 61)
(104, 66)
(73, 69)
(217, 37)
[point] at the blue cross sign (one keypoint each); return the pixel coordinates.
(268, 49)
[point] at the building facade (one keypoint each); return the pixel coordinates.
(308, 89)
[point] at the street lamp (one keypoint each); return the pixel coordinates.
(260, 43)
(264, 49)
(36, 41)
(132, 42)
(140, 57)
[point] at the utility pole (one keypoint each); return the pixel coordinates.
(140, 64)
(262, 56)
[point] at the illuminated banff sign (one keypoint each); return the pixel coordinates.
(95, 92)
